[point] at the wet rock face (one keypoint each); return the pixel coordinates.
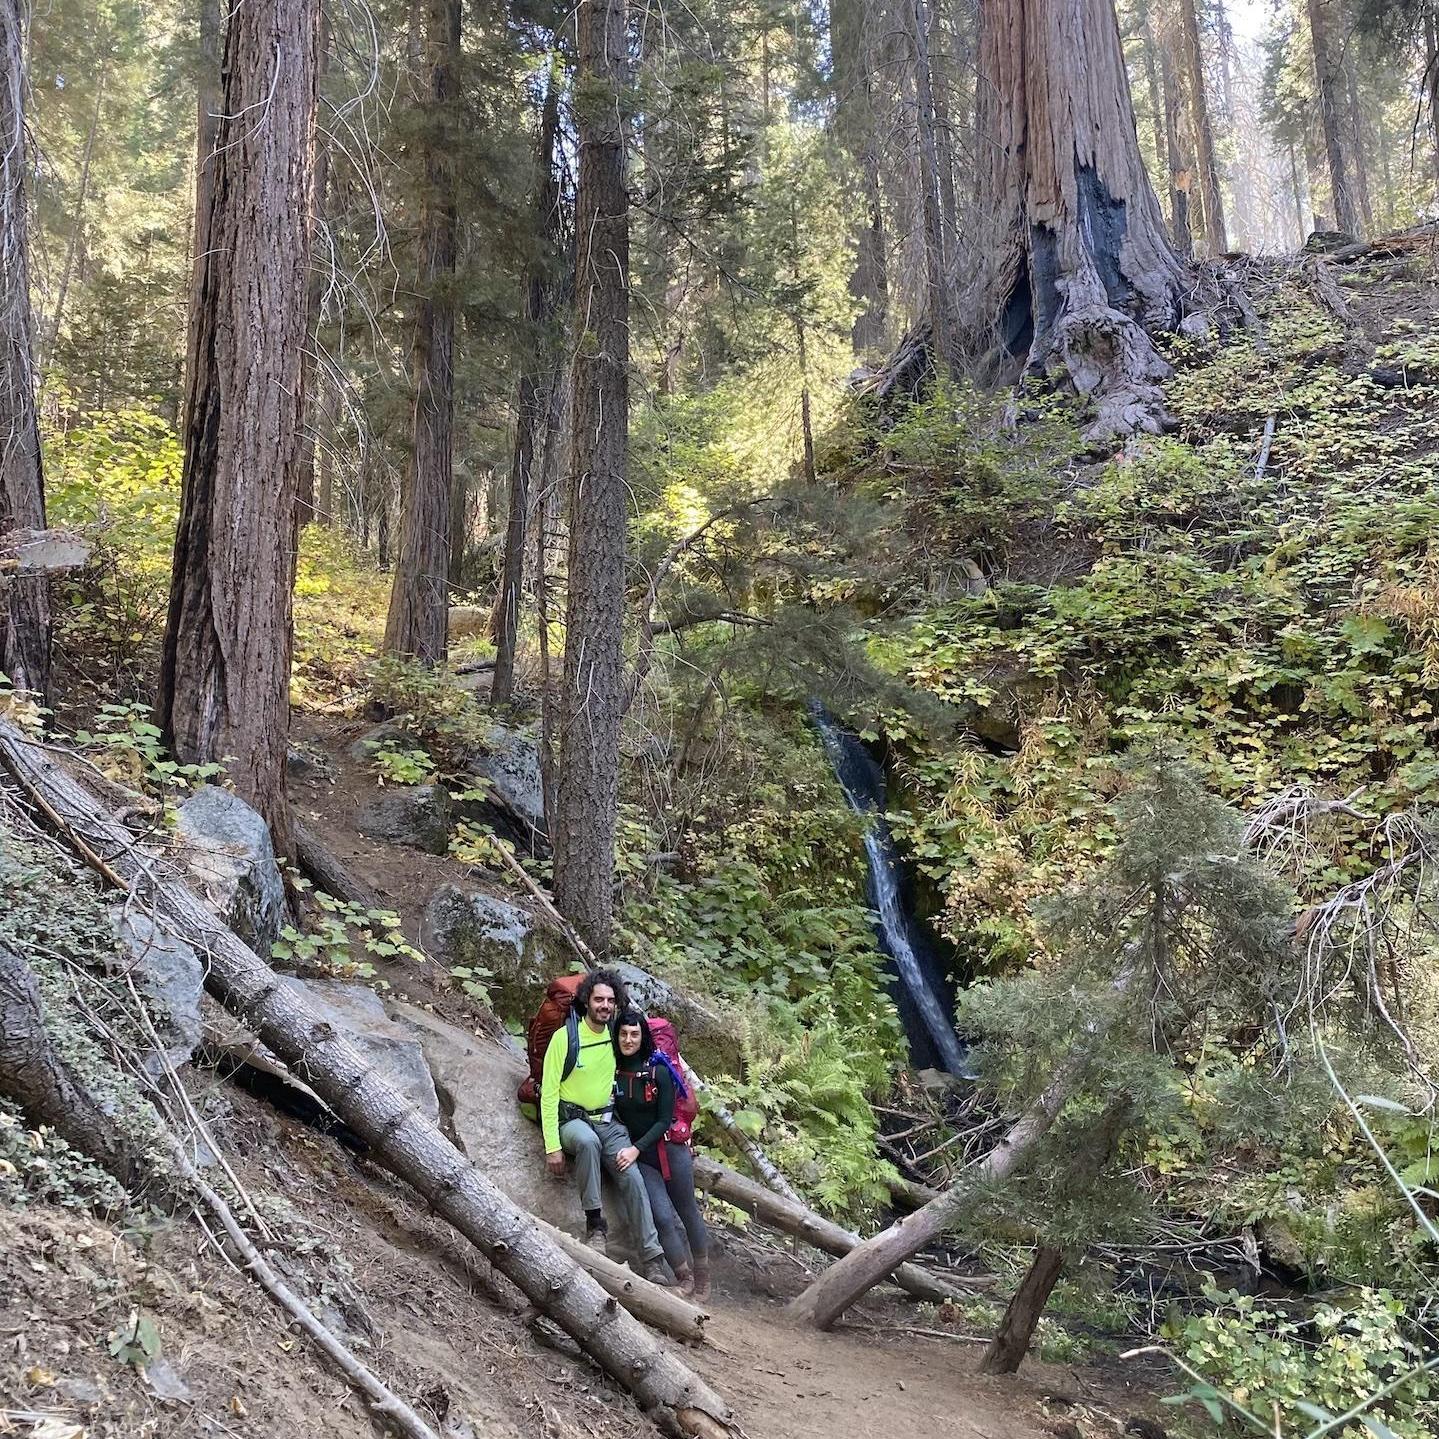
(225, 846)
(414, 815)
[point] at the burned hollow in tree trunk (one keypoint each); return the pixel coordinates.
(1077, 267)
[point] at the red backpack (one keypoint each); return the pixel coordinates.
(667, 1049)
(557, 1010)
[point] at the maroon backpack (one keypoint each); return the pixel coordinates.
(667, 1049)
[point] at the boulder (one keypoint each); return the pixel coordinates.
(416, 815)
(169, 976)
(309, 765)
(468, 622)
(226, 848)
(711, 1043)
(477, 930)
(476, 1082)
(508, 770)
(392, 1048)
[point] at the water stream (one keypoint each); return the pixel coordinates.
(920, 974)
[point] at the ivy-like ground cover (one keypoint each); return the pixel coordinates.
(1281, 624)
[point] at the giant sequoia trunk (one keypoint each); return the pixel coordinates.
(587, 792)
(225, 675)
(419, 595)
(1077, 264)
(25, 617)
(532, 400)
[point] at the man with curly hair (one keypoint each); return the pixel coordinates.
(577, 1118)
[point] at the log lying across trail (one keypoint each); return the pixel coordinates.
(409, 1145)
(794, 1218)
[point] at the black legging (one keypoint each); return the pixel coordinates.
(676, 1210)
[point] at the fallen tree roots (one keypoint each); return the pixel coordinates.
(408, 1144)
(794, 1218)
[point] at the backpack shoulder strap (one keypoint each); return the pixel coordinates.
(572, 1050)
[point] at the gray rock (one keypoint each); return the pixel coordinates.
(169, 975)
(710, 1042)
(394, 1051)
(476, 1081)
(1195, 326)
(510, 771)
(417, 815)
(467, 927)
(227, 850)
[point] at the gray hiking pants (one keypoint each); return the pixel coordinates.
(675, 1208)
(591, 1145)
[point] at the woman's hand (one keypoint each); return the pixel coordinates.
(626, 1157)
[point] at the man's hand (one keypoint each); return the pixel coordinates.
(555, 1163)
(626, 1157)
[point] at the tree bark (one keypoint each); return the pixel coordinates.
(531, 401)
(283, 1019)
(1021, 1316)
(1211, 201)
(43, 1085)
(419, 594)
(25, 618)
(1076, 261)
(1355, 135)
(1329, 80)
(225, 670)
(587, 790)
(307, 503)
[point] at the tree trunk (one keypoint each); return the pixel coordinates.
(1245, 219)
(1151, 77)
(42, 1084)
(1301, 220)
(1329, 79)
(25, 619)
(225, 671)
(307, 507)
(801, 348)
(1076, 261)
(1011, 1342)
(1022, 1315)
(1431, 83)
(1177, 156)
(587, 792)
(860, 1270)
(283, 1019)
(419, 595)
(531, 401)
(855, 126)
(1215, 242)
(1355, 135)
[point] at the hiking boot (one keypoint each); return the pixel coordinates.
(598, 1239)
(701, 1292)
(686, 1277)
(658, 1272)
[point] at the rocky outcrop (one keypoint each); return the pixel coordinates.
(416, 815)
(479, 931)
(507, 771)
(169, 977)
(225, 846)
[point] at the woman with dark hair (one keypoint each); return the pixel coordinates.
(645, 1105)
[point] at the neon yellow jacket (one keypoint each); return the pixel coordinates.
(591, 1082)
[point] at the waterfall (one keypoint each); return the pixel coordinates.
(863, 784)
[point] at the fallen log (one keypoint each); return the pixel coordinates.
(794, 1218)
(409, 1145)
(659, 1307)
(320, 864)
